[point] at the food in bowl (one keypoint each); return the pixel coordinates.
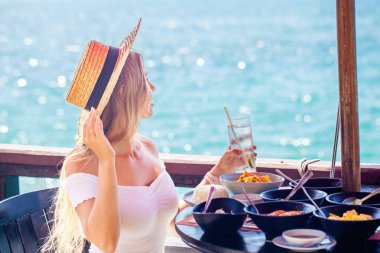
(200, 193)
(252, 178)
(280, 194)
(216, 221)
(284, 213)
(221, 210)
(349, 230)
(338, 198)
(273, 226)
(351, 215)
(233, 187)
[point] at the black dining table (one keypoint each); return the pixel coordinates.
(251, 241)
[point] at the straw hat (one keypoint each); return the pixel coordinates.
(98, 71)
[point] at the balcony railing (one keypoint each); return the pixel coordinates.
(186, 170)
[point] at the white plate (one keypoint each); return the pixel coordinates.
(188, 198)
(325, 244)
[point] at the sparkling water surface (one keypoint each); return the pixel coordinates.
(276, 60)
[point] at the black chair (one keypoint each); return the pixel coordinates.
(25, 221)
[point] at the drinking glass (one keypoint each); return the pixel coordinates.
(240, 135)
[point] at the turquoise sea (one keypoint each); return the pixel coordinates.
(276, 60)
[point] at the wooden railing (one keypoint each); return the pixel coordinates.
(186, 170)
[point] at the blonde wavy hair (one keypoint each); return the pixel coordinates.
(126, 100)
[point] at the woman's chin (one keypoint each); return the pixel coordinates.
(151, 111)
(147, 115)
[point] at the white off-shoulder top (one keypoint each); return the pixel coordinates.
(145, 210)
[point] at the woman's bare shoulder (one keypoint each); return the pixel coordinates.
(89, 166)
(148, 143)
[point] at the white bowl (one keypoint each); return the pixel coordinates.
(255, 198)
(304, 237)
(228, 180)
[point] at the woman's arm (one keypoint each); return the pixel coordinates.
(100, 217)
(231, 159)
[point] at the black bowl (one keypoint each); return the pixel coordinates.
(273, 226)
(275, 195)
(349, 231)
(337, 198)
(328, 185)
(220, 223)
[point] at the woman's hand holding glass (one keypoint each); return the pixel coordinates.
(94, 138)
(230, 160)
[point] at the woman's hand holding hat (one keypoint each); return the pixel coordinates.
(94, 138)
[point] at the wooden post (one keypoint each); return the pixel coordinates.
(348, 95)
(2, 187)
(12, 186)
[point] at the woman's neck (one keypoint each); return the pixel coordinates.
(127, 146)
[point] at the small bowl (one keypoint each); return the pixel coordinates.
(326, 184)
(349, 231)
(255, 198)
(228, 181)
(337, 198)
(220, 223)
(273, 226)
(304, 237)
(275, 195)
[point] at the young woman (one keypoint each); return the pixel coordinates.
(115, 191)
